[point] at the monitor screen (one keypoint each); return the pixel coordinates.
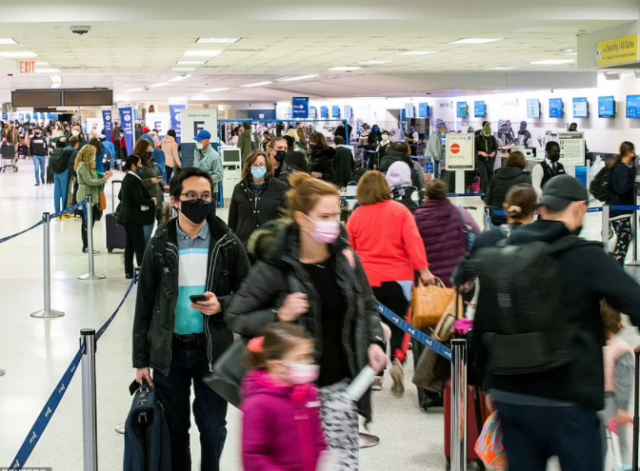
(606, 107)
(423, 110)
(580, 107)
(36, 98)
(556, 108)
(633, 106)
(95, 97)
(533, 108)
(480, 109)
(463, 109)
(231, 155)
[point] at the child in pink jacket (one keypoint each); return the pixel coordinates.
(281, 428)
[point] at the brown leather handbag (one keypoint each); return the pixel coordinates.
(429, 303)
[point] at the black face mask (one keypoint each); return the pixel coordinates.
(554, 156)
(195, 211)
(280, 155)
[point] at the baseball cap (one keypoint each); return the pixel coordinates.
(561, 191)
(202, 135)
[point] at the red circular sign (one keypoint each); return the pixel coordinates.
(455, 148)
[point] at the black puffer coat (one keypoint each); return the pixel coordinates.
(322, 162)
(279, 273)
(249, 211)
(393, 156)
(410, 196)
(500, 184)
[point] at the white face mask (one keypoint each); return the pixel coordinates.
(199, 145)
(75, 133)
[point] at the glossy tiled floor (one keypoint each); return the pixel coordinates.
(36, 352)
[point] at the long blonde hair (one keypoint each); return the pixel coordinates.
(87, 155)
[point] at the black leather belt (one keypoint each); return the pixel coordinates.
(190, 338)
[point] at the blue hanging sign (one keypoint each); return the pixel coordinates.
(423, 110)
(313, 112)
(108, 123)
(324, 112)
(126, 118)
(409, 110)
(300, 106)
(335, 111)
(348, 112)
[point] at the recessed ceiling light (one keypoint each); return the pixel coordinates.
(160, 84)
(18, 54)
(257, 84)
(373, 62)
(417, 53)
(476, 41)
(45, 70)
(218, 40)
(570, 52)
(179, 78)
(42, 63)
(55, 85)
(184, 69)
(216, 90)
(300, 77)
(56, 79)
(345, 69)
(554, 62)
(135, 90)
(199, 53)
(7, 41)
(501, 68)
(191, 62)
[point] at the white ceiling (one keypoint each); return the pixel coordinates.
(134, 46)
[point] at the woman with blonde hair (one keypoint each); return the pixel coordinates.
(257, 199)
(89, 183)
(384, 234)
(307, 274)
(302, 138)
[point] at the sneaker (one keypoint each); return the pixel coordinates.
(377, 383)
(86, 251)
(66, 216)
(397, 375)
(37, 184)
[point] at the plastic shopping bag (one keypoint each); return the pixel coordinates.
(489, 447)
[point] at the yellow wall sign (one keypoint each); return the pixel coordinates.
(617, 51)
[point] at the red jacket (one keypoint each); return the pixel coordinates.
(281, 429)
(386, 238)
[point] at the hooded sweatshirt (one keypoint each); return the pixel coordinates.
(281, 426)
(501, 182)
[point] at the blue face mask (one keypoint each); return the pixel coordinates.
(258, 172)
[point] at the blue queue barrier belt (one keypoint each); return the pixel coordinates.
(58, 393)
(52, 216)
(420, 336)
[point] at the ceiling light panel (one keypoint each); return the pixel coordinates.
(157, 85)
(198, 53)
(373, 62)
(56, 79)
(211, 90)
(476, 41)
(257, 84)
(18, 54)
(7, 41)
(344, 69)
(46, 70)
(191, 62)
(554, 62)
(300, 77)
(184, 69)
(417, 53)
(179, 78)
(217, 40)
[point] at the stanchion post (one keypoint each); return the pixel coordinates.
(92, 275)
(605, 227)
(89, 403)
(47, 312)
(634, 223)
(459, 405)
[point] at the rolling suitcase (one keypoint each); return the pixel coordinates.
(50, 178)
(116, 235)
(477, 414)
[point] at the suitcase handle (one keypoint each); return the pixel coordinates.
(113, 194)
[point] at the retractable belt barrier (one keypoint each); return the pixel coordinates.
(58, 393)
(55, 215)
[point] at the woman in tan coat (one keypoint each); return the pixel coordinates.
(170, 147)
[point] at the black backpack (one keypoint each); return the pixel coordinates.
(59, 160)
(524, 330)
(600, 186)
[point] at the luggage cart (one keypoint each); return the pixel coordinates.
(8, 154)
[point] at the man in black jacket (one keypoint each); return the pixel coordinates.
(400, 152)
(179, 335)
(486, 151)
(343, 164)
(553, 412)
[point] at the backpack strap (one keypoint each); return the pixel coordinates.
(569, 243)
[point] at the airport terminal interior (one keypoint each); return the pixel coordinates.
(529, 69)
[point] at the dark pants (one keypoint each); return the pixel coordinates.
(169, 171)
(189, 365)
(136, 243)
(94, 213)
(485, 168)
(391, 295)
(533, 434)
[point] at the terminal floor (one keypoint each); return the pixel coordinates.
(35, 353)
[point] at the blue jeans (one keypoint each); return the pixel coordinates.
(189, 365)
(533, 434)
(39, 165)
(148, 232)
(60, 190)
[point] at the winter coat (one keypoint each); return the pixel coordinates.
(486, 144)
(343, 166)
(501, 182)
(395, 156)
(209, 161)
(89, 184)
(282, 430)
(248, 212)
(245, 143)
(279, 273)
(435, 149)
(158, 155)
(409, 196)
(170, 148)
(322, 162)
(440, 225)
(133, 195)
(147, 173)
(623, 191)
(154, 321)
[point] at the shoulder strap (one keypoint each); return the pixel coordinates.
(568, 243)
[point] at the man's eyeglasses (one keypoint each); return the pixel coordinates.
(192, 196)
